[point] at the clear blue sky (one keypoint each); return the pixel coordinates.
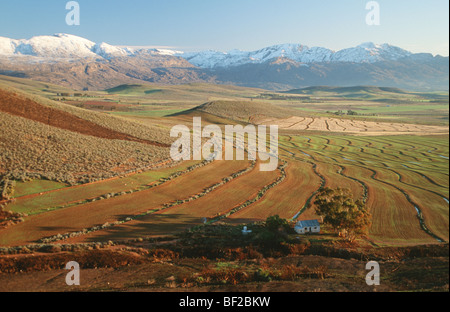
(415, 25)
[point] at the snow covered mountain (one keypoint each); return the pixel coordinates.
(60, 46)
(68, 46)
(364, 53)
(82, 64)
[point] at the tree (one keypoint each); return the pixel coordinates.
(276, 224)
(338, 209)
(275, 231)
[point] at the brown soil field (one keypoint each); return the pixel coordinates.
(105, 104)
(334, 179)
(417, 179)
(394, 218)
(23, 107)
(286, 199)
(76, 218)
(179, 218)
(78, 193)
(352, 126)
(434, 208)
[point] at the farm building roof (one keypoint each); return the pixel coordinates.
(307, 223)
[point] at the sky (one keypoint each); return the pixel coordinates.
(193, 25)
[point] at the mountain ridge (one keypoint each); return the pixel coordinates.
(79, 63)
(70, 46)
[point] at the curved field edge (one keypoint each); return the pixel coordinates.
(285, 199)
(80, 194)
(88, 215)
(213, 204)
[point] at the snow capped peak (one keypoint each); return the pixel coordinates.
(370, 52)
(107, 51)
(55, 46)
(62, 45)
(368, 45)
(168, 52)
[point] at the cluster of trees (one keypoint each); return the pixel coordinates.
(350, 113)
(348, 217)
(341, 112)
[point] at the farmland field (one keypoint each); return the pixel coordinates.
(181, 217)
(75, 218)
(377, 165)
(36, 202)
(372, 168)
(398, 168)
(89, 178)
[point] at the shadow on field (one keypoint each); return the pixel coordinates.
(148, 226)
(54, 228)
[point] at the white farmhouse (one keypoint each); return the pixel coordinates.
(307, 226)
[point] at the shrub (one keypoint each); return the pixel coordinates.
(276, 224)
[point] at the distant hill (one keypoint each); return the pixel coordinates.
(132, 89)
(244, 111)
(387, 94)
(344, 90)
(426, 73)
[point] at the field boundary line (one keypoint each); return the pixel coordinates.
(162, 207)
(422, 222)
(259, 194)
(150, 168)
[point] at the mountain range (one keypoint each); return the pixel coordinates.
(82, 64)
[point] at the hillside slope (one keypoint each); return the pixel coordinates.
(59, 142)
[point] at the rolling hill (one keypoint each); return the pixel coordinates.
(241, 111)
(46, 139)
